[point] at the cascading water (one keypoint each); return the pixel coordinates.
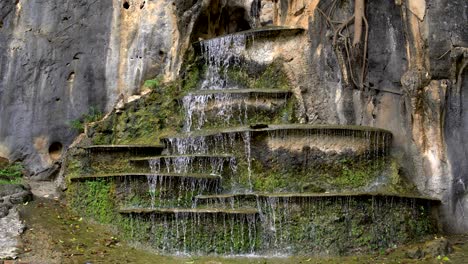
(225, 105)
(250, 188)
(220, 54)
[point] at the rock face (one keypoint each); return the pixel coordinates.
(59, 59)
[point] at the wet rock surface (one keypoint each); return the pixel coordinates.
(11, 227)
(11, 195)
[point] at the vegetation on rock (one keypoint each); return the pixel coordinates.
(11, 173)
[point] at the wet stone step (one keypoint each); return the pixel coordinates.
(189, 156)
(317, 195)
(305, 129)
(227, 107)
(250, 92)
(257, 34)
(212, 164)
(243, 211)
(146, 175)
(349, 141)
(133, 149)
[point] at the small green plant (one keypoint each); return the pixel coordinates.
(153, 83)
(11, 173)
(93, 199)
(94, 114)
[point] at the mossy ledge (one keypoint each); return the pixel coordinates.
(136, 175)
(260, 33)
(317, 129)
(136, 149)
(245, 211)
(183, 156)
(250, 92)
(322, 195)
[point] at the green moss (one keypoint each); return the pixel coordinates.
(153, 83)
(93, 199)
(73, 167)
(354, 176)
(11, 173)
(143, 121)
(192, 78)
(94, 114)
(272, 77)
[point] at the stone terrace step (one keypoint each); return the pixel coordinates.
(289, 127)
(126, 148)
(136, 174)
(245, 211)
(201, 156)
(263, 32)
(251, 92)
(317, 195)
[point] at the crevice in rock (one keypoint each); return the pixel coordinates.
(220, 18)
(71, 77)
(76, 56)
(126, 5)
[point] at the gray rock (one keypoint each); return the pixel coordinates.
(11, 228)
(12, 194)
(10, 189)
(59, 58)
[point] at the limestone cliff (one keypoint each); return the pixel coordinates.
(58, 58)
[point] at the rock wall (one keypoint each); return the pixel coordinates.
(414, 86)
(58, 58)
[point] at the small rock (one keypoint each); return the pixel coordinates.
(414, 253)
(433, 248)
(437, 247)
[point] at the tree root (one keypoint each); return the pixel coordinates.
(358, 17)
(351, 49)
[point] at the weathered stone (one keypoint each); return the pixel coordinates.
(59, 59)
(11, 228)
(11, 194)
(10, 189)
(432, 249)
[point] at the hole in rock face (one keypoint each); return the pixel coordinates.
(71, 77)
(55, 150)
(126, 5)
(142, 5)
(220, 18)
(77, 55)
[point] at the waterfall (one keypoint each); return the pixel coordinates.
(220, 54)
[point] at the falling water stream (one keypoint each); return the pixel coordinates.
(201, 217)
